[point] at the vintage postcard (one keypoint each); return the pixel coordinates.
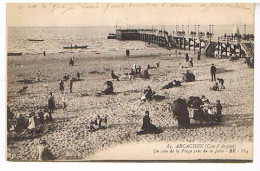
(130, 82)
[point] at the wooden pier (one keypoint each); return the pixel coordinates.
(228, 46)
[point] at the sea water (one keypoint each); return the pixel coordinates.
(55, 38)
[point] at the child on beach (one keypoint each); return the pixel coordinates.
(218, 107)
(215, 87)
(221, 82)
(44, 153)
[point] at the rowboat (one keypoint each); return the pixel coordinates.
(112, 36)
(75, 47)
(36, 40)
(14, 54)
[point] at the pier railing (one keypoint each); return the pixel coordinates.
(224, 46)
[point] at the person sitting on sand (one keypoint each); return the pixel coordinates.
(109, 89)
(147, 125)
(177, 83)
(131, 74)
(98, 123)
(204, 100)
(138, 70)
(169, 85)
(44, 154)
(66, 77)
(114, 76)
(172, 84)
(32, 123)
(20, 123)
(46, 116)
(41, 116)
(189, 76)
(215, 87)
(10, 114)
(221, 82)
(148, 94)
(146, 74)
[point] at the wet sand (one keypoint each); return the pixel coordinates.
(68, 136)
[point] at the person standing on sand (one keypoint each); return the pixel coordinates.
(51, 104)
(190, 63)
(61, 86)
(71, 61)
(78, 75)
(213, 70)
(219, 111)
(198, 55)
(187, 57)
(38, 75)
(127, 52)
(64, 104)
(71, 85)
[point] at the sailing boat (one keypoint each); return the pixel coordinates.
(236, 30)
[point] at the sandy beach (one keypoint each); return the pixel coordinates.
(68, 135)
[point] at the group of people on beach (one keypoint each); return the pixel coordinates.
(27, 123)
(135, 72)
(199, 107)
(216, 86)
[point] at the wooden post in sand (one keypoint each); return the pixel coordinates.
(189, 43)
(221, 50)
(184, 42)
(194, 44)
(200, 45)
(240, 50)
(218, 46)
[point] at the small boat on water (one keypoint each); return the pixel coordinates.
(111, 36)
(75, 47)
(36, 40)
(14, 54)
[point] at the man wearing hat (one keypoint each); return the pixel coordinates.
(213, 70)
(51, 104)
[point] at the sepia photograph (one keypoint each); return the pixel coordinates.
(130, 82)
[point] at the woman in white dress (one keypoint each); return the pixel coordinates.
(31, 121)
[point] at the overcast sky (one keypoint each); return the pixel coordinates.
(132, 14)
